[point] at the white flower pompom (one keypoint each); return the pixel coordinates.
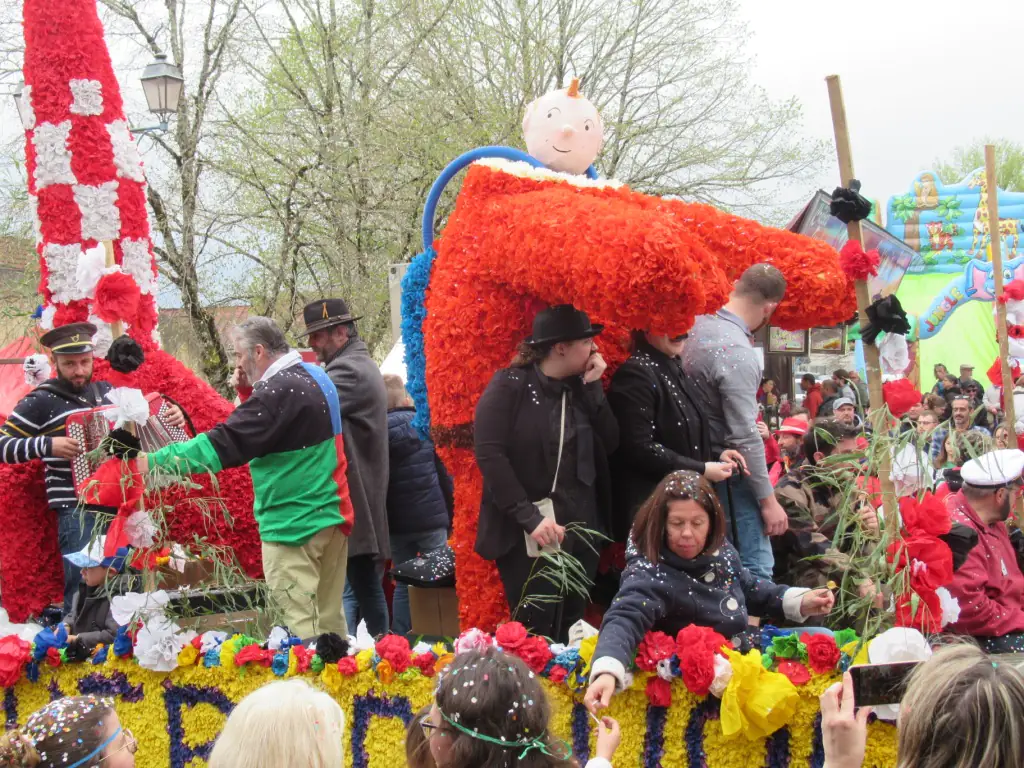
(130, 406)
(158, 644)
(103, 337)
(37, 370)
(141, 529)
(278, 636)
(723, 674)
(91, 264)
(46, 321)
(894, 355)
(143, 606)
(950, 606)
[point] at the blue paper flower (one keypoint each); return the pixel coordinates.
(101, 655)
(122, 643)
(280, 663)
(212, 657)
(414, 289)
(48, 639)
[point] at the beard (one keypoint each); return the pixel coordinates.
(76, 388)
(1003, 510)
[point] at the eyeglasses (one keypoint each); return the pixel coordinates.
(128, 742)
(427, 726)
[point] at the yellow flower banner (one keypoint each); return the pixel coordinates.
(176, 716)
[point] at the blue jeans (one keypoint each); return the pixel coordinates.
(745, 516)
(364, 595)
(74, 531)
(404, 547)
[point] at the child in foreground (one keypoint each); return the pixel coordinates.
(90, 621)
(490, 710)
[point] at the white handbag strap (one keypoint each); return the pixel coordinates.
(561, 441)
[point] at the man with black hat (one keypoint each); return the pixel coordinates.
(989, 585)
(36, 430)
(364, 412)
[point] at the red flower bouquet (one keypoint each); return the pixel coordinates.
(856, 263)
(535, 652)
(659, 692)
(348, 666)
(797, 673)
(425, 663)
(822, 652)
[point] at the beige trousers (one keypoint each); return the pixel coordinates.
(308, 582)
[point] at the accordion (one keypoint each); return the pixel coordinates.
(90, 427)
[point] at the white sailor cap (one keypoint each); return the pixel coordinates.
(994, 469)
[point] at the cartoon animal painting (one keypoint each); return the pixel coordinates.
(926, 193)
(938, 238)
(1008, 229)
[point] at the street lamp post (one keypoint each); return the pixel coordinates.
(162, 84)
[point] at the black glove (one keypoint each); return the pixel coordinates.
(961, 540)
(122, 444)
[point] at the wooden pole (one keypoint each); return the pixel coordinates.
(116, 327)
(997, 272)
(856, 232)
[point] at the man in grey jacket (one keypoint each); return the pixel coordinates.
(720, 358)
(364, 414)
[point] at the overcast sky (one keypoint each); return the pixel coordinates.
(919, 77)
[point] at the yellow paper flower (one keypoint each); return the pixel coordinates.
(228, 649)
(443, 661)
(293, 663)
(188, 656)
(862, 654)
(587, 648)
(440, 649)
(363, 659)
(331, 679)
(756, 702)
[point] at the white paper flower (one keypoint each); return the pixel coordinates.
(579, 632)
(894, 355)
(130, 406)
(140, 529)
(723, 674)
(101, 219)
(89, 270)
(46, 321)
(53, 158)
(362, 640)
(178, 558)
(950, 606)
(103, 337)
(62, 266)
(88, 97)
(28, 114)
(127, 159)
(664, 669)
(473, 640)
(894, 645)
(158, 644)
(138, 605)
(37, 370)
(211, 640)
(277, 637)
(137, 261)
(421, 647)
(909, 472)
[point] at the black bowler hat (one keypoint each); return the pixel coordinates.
(562, 323)
(326, 313)
(70, 339)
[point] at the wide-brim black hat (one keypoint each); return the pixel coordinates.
(326, 313)
(560, 324)
(70, 339)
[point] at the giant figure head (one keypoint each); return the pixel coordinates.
(563, 130)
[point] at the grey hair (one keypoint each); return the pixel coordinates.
(261, 331)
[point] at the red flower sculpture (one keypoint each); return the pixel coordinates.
(425, 663)
(856, 263)
(659, 692)
(510, 636)
(518, 242)
(927, 559)
(117, 298)
(927, 516)
(535, 652)
(822, 652)
(696, 648)
(348, 666)
(395, 649)
(797, 673)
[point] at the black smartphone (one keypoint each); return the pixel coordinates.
(876, 684)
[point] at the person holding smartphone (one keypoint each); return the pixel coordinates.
(542, 435)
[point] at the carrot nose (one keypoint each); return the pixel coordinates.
(568, 130)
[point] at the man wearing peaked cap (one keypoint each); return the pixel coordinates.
(331, 328)
(36, 429)
(989, 586)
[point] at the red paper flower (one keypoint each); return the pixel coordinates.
(557, 674)
(511, 635)
(655, 647)
(348, 666)
(253, 653)
(692, 636)
(856, 264)
(925, 616)
(929, 559)
(117, 298)
(53, 657)
(14, 652)
(822, 652)
(659, 692)
(927, 517)
(395, 649)
(425, 662)
(797, 673)
(697, 666)
(900, 395)
(535, 652)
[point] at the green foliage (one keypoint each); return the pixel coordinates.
(904, 207)
(964, 159)
(949, 209)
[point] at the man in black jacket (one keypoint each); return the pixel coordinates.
(36, 430)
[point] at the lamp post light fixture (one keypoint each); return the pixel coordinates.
(163, 84)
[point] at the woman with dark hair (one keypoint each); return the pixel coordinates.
(542, 435)
(662, 426)
(681, 570)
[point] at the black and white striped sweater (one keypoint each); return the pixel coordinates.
(41, 416)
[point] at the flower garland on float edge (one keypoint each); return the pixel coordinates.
(516, 243)
(762, 718)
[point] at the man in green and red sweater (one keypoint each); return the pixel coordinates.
(289, 432)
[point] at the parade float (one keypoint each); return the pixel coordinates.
(528, 230)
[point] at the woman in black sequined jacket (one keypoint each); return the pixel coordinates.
(661, 425)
